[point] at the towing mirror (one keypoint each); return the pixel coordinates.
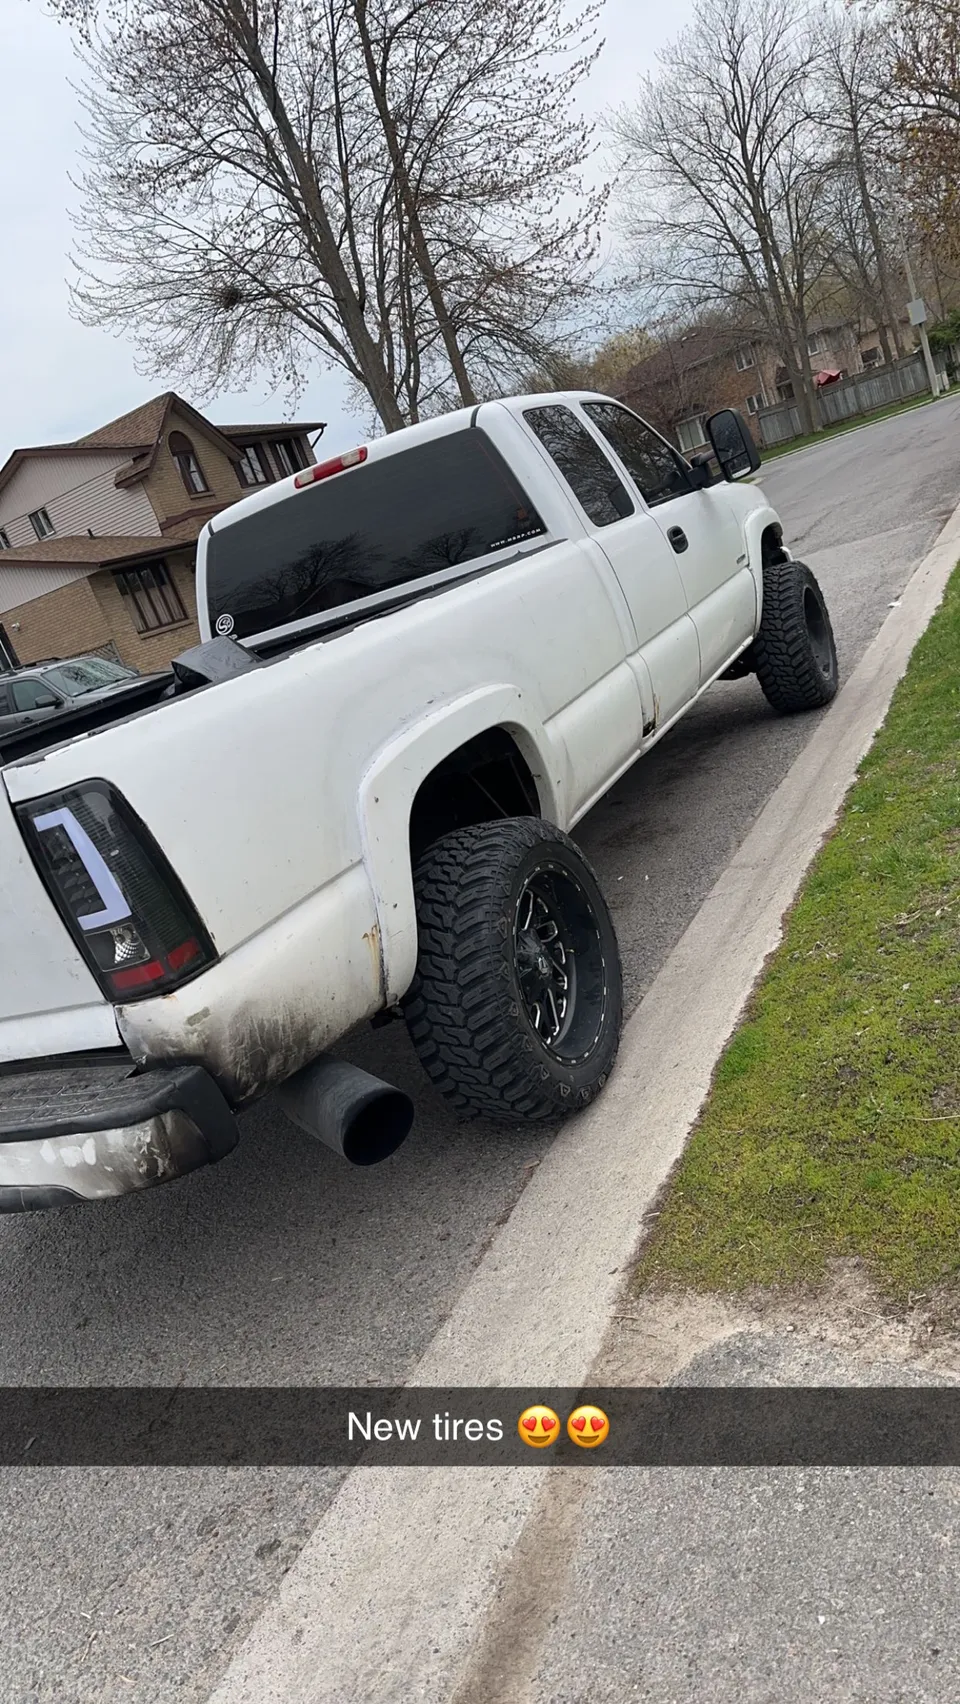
(733, 444)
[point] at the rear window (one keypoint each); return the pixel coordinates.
(366, 531)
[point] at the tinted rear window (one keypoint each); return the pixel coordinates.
(366, 531)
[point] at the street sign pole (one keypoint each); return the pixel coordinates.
(918, 317)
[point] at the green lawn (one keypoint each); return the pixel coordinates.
(845, 426)
(833, 1126)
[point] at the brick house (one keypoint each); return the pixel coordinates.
(98, 537)
(718, 366)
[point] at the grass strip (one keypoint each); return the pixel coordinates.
(833, 1124)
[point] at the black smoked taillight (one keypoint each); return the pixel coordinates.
(118, 896)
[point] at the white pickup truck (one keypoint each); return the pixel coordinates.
(423, 662)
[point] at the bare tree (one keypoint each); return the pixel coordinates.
(723, 179)
(857, 67)
(488, 150)
(925, 112)
(233, 217)
(373, 183)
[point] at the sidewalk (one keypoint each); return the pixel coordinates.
(738, 1586)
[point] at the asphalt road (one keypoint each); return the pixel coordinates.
(284, 1266)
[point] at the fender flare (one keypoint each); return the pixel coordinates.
(756, 524)
(390, 784)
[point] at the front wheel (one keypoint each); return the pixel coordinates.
(794, 653)
(516, 1006)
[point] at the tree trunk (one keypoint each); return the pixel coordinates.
(368, 356)
(879, 252)
(418, 242)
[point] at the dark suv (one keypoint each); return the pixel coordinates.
(30, 694)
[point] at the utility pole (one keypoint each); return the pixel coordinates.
(918, 317)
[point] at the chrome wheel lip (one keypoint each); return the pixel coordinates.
(542, 936)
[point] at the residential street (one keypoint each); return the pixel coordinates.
(284, 1266)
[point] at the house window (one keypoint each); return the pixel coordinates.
(745, 359)
(4, 539)
(691, 435)
(754, 404)
(41, 523)
(8, 655)
(288, 456)
(815, 343)
(151, 597)
(252, 467)
(871, 357)
(188, 466)
(785, 392)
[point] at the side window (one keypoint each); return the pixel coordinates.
(592, 479)
(5, 705)
(32, 694)
(657, 469)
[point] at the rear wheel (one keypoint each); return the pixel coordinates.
(794, 653)
(516, 1006)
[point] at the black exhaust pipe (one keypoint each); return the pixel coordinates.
(356, 1115)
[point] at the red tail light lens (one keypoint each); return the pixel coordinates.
(114, 889)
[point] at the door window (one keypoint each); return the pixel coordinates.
(590, 476)
(658, 470)
(32, 694)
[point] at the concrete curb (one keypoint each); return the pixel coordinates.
(389, 1594)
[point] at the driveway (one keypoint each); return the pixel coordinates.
(284, 1266)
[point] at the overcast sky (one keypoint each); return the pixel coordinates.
(58, 379)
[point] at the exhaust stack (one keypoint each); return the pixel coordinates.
(358, 1116)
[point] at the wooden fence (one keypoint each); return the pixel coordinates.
(861, 394)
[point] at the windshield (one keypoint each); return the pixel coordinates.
(401, 518)
(87, 674)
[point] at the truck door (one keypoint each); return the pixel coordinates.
(666, 655)
(700, 527)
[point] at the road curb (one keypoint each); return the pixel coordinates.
(388, 1596)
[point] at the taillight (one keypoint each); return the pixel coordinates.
(338, 464)
(117, 894)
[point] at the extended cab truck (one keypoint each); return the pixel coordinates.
(423, 662)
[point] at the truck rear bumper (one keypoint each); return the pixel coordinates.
(85, 1131)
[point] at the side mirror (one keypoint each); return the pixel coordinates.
(732, 443)
(47, 702)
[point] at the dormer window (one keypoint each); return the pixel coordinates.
(288, 456)
(252, 466)
(189, 467)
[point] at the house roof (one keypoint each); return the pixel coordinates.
(81, 551)
(259, 428)
(141, 427)
(139, 434)
(683, 353)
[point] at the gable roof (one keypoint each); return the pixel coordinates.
(141, 426)
(139, 434)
